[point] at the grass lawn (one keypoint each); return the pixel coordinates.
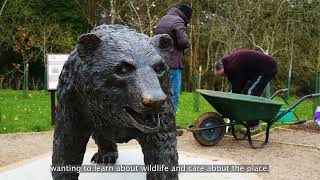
(19, 114)
(24, 114)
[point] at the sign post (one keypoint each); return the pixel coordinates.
(53, 106)
(54, 67)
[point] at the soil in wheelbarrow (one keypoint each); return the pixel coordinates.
(307, 127)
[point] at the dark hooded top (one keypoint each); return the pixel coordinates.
(245, 65)
(174, 24)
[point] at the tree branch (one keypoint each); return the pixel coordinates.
(134, 9)
(3, 5)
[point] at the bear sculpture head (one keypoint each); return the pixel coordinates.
(121, 74)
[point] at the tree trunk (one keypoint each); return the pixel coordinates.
(113, 12)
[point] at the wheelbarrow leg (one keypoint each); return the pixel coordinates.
(267, 132)
(233, 131)
(265, 141)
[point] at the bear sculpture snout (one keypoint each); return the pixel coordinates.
(154, 99)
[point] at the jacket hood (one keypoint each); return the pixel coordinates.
(176, 12)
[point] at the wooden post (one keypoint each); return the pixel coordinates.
(200, 73)
(317, 100)
(53, 106)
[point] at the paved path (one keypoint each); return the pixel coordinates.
(38, 169)
(290, 159)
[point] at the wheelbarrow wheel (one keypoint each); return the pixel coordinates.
(209, 137)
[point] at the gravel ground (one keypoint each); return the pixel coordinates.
(291, 154)
(308, 127)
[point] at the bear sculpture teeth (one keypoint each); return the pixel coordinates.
(145, 121)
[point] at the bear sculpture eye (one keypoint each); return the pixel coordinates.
(159, 68)
(123, 69)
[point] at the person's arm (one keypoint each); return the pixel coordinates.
(238, 82)
(237, 87)
(181, 35)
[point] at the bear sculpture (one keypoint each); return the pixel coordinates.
(115, 87)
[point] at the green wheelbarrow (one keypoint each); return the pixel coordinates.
(210, 127)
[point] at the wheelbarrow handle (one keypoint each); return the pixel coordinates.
(293, 106)
(277, 93)
(315, 95)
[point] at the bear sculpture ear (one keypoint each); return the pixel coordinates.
(163, 42)
(88, 44)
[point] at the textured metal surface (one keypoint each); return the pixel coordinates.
(115, 86)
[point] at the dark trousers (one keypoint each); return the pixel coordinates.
(256, 86)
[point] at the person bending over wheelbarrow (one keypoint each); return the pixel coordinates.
(249, 72)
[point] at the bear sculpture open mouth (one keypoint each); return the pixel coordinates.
(147, 122)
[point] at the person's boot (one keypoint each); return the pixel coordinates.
(179, 130)
(253, 129)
